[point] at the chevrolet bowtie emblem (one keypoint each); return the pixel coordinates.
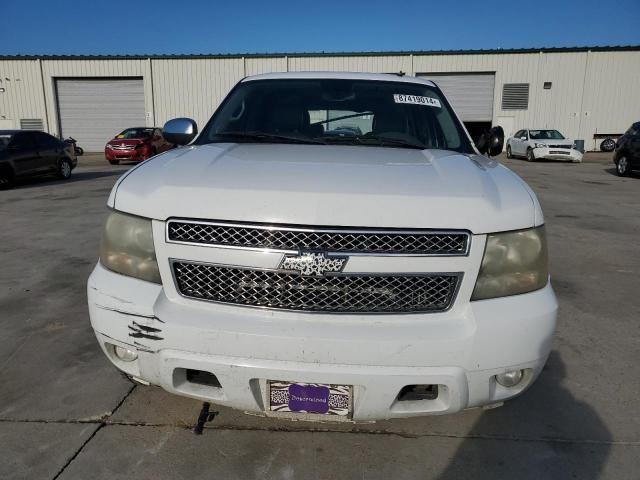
(313, 264)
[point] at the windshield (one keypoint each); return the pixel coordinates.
(545, 135)
(4, 141)
(136, 133)
(337, 111)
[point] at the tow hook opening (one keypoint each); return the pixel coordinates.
(202, 378)
(418, 392)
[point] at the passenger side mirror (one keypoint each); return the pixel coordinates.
(491, 142)
(180, 131)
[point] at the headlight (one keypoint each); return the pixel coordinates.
(513, 263)
(127, 247)
(539, 145)
(108, 145)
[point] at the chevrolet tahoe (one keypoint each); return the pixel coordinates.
(276, 265)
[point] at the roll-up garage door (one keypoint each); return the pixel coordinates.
(93, 111)
(471, 94)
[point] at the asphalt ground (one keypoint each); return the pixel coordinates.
(66, 413)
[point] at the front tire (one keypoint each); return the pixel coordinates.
(7, 178)
(622, 167)
(530, 156)
(509, 154)
(64, 169)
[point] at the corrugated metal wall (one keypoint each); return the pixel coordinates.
(21, 93)
(590, 90)
(193, 88)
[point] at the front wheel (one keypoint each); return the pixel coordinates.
(622, 167)
(530, 156)
(509, 154)
(64, 169)
(6, 177)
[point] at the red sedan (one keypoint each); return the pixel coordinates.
(136, 144)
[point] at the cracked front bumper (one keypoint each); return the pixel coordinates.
(460, 351)
(566, 154)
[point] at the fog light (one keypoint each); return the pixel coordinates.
(510, 379)
(125, 354)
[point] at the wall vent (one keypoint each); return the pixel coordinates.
(31, 124)
(515, 96)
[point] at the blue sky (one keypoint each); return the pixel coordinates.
(163, 26)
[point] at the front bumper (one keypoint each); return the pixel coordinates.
(567, 154)
(135, 155)
(460, 350)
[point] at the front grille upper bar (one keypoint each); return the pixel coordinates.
(292, 239)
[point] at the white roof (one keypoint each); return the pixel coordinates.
(385, 77)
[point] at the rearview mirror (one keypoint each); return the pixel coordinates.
(491, 142)
(180, 131)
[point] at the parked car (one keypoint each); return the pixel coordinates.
(136, 144)
(542, 143)
(26, 153)
(344, 131)
(275, 268)
(627, 152)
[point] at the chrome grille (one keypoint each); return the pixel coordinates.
(561, 146)
(277, 237)
(371, 293)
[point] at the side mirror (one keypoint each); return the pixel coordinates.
(491, 142)
(180, 131)
(524, 139)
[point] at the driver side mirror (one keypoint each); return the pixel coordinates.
(180, 131)
(491, 142)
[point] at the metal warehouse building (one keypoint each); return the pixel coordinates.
(583, 92)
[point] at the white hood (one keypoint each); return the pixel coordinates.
(352, 186)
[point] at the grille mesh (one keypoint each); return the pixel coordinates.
(340, 294)
(281, 238)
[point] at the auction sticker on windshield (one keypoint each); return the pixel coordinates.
(416, 100)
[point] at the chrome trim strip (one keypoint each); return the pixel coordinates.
(454, 295)
(279, 227)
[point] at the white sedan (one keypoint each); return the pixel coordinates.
(543, 143)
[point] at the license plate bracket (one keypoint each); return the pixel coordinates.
(309, 398)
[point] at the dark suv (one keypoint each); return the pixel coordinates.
(627, 153)
(26, 153)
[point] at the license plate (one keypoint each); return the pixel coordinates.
(316, 398)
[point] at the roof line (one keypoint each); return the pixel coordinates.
(617, 48)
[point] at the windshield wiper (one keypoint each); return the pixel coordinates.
(377, 141)
(267, 137)
(396, 142)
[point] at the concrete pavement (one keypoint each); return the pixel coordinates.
(66, 413)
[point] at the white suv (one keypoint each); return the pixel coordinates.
(331, 246)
